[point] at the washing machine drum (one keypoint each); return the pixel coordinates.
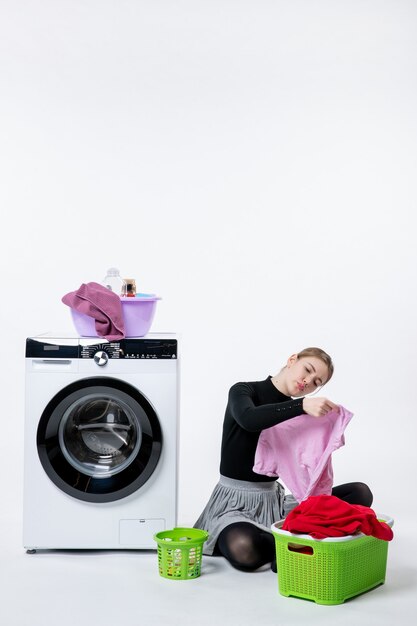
(99, 439)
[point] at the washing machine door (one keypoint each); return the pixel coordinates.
(99, 439)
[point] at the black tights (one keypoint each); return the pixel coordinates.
(248, 547)
(354, 493)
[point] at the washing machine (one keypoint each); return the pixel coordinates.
(101, 441)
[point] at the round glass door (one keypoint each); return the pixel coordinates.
(99, 435)
(99, 439)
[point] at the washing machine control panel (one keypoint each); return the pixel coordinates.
(101, 351)
(130, 349)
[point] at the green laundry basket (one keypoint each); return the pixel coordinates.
(331, 570)
(180, 552)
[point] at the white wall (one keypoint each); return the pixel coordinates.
(253, 162)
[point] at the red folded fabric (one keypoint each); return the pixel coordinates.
(103, 305)
(329, 516)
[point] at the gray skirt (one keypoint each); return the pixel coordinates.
(260, 503)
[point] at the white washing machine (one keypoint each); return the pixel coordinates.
(101, 441)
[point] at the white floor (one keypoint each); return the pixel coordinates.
(106, 588)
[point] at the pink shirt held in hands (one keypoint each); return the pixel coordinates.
(299, 452)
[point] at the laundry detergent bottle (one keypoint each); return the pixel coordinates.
(114, 281)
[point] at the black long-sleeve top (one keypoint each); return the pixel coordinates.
(251, 408)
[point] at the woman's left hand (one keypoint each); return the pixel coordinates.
(317, 407)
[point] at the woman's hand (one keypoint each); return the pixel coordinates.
(317, 407)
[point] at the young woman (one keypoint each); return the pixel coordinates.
(243, 505)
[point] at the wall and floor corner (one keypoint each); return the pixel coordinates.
(253, 163)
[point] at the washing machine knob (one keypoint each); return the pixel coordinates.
(101, 357)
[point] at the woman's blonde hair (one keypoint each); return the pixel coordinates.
(320, 354)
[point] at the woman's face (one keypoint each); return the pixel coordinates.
(305, 375)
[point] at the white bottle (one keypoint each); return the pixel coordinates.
(114, 281)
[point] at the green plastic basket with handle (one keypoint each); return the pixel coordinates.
(331, 570)
(180, 552)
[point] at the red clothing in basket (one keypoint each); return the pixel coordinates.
(329, 516)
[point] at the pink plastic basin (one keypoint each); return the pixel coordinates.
(138, 314)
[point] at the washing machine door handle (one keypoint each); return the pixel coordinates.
(101, 357)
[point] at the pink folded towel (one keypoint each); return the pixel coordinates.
(103, 305)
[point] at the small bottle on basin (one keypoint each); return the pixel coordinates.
(130, 287)
(114, 281)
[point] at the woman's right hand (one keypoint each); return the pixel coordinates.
(317, 407)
